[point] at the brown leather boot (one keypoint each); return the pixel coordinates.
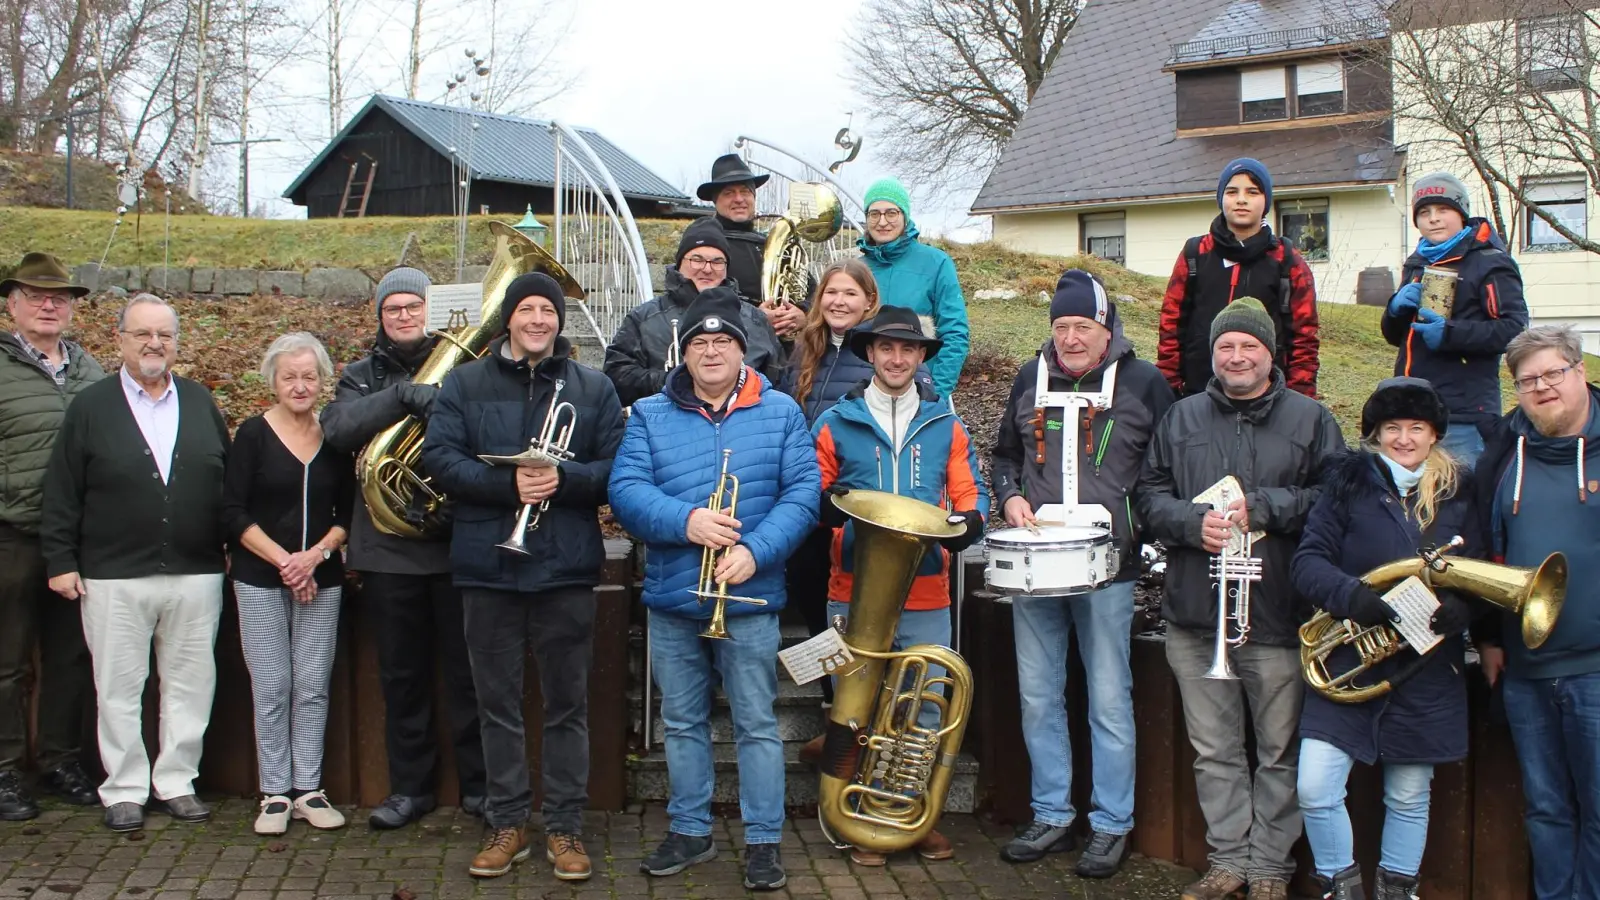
(936, 846)
(505, 848)
(565, 852)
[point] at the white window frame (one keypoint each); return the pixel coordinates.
(1309, 206)
(1550, 50)
(1261, 86)
(1113, 226)
(1320, 77)
(1564, 191)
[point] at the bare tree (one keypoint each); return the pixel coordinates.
(414, 55)
(949, 80)
(524, 40)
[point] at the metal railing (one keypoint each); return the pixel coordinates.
(1287, 39)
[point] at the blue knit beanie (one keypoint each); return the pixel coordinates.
(1247, 166)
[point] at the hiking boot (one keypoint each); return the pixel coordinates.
(71, 783)
(1269, 888)
(678, 852)
(506, 847)
(1103, 856)
(1387, 885)
(1344, 886)
(315, 809)
(16, 804)
(1216, 884)
(566, 854)
(274, 817)
(871, 858)
(1034, 841)
(935, 846)
(811, 751)
(398, 811)
(763, 868)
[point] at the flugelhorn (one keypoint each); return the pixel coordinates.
(1234, 569)
(1535, 595)
(550, 446)
(724, 501)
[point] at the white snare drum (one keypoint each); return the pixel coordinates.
(1051, 561)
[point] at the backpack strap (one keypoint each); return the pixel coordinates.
(1284, 265)
(1191, 258)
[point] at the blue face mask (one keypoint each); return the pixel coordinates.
(1405, 480)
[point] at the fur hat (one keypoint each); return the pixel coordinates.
(1404, 397)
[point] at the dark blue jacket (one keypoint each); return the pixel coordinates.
(668, 464)
(1489, 311)
(838, 373)
(1358, 524)
(496, 406)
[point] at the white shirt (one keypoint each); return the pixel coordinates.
(893, 414)
(157, 418)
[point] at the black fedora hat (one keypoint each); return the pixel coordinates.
(729, 169)
(41, 270)
(895, 322)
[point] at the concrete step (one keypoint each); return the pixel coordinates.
(795, 723)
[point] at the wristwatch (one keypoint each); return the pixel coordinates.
(326, 554)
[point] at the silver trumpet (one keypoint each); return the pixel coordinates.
(672, 350)
(550, 446)
(1233, 569)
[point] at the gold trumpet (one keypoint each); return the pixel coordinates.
(1535, 595)
(724, 501)
(550, 446)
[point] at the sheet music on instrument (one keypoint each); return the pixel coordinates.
(452, 306)
(1218, 496)
(1416, 605)
(825, 654)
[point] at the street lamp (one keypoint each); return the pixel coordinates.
(532, 228)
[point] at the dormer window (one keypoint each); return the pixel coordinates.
(1263, 94)
(1319, 88)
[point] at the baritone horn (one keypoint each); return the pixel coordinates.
(724, 501)
(814, 216)
(550, 448)
(1534, 595)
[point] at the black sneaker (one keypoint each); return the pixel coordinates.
(1103, 856)
(16, 804)
(398, 811)
(678, 852)
(1034, 841)
(763, 868)
(69, 782)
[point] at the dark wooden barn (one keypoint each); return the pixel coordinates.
(403, 149)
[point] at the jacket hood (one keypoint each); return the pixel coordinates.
(1483, 237)
(888, 253)
(1263, 407)
(1559, 449)
(402, 359)
(1119, 348)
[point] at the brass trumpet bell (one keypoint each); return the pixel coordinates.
(724, 500)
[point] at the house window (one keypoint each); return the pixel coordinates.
(1263, 94)
(1551, 53)
(1305, 224)
(1319, 88)
(1106, 235)
(1567, 199)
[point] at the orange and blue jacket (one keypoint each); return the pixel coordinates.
(935, 463)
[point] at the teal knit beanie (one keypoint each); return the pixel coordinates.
(889, 189)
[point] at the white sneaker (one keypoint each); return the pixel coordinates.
(315, 809)
(274, 818)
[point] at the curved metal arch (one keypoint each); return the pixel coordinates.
(853, 210)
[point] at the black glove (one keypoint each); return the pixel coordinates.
(974, 523)
(1365, 607)
(1453, 615)
(417, 398)
(829, 515)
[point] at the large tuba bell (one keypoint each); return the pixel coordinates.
(814, 216)
(884, 776)
(396, 491)
(1535, 595)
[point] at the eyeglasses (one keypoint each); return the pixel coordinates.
(1551, 379)
(702, 262)
(719, 344)
(884, 215)
(37, 301)
(409, 310)
(144, 337)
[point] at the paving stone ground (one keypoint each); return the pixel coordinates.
(67, 854)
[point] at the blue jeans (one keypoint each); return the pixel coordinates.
(1324, 771)
(1464, 442)
(1555, 723)
(748, 663)
(917, 626)
(1104, 622)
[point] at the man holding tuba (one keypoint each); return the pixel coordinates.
(1277, 443)
(500, 405)
(405, 582)
(716, 419)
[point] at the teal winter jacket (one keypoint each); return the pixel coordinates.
(921, 278)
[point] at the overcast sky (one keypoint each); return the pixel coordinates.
(671, 82)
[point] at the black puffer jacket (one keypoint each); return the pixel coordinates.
(496, 406)
(637, 356)
(1279, 450)
(1111, 443)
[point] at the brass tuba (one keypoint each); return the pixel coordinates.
(814, 216)
(396, 491)
(1535, 595)
(884, 777)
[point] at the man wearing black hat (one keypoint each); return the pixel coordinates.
(717, 412)
(498, 405)
(645, 347)
(40, 372)
(1088, 354)
(405, 582)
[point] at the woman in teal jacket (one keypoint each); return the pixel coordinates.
(916, 276)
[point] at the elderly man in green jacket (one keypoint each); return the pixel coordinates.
(40, 373)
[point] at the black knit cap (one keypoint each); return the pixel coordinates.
(1080, 293)
(706, 232)
(1404, 397)
(715, 310)
(534, 284)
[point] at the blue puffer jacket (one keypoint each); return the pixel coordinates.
(922, 279)
(839, 372)
(668, 464)
(1357, 524)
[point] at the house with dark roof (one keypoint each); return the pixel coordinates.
(1119, 152)
(397, 157)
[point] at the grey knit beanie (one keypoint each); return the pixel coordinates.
(1248, 316)
(1440, 187)
(404, 280)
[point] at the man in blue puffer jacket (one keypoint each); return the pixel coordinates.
(914, 275)
(668, 465)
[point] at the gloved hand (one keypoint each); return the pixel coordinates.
(417, 398)
(1365, 607)
(1406, 300)
(1430, 326)
(831, 516)
(974, 522)
(1453, 615)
